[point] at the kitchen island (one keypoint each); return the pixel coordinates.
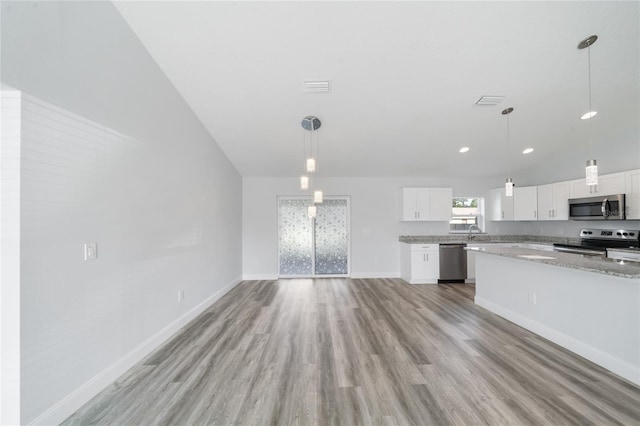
(588, 305)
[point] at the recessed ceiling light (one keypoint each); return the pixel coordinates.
(589, 115)
(464, 149)
(528, 151)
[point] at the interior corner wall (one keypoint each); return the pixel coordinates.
(10, 106)
(376, 205)
(111, 154)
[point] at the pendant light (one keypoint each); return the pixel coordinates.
(508, 186)
(311, 124)
(591, 170)
(312, 211)
(311, 165)
(304, 182)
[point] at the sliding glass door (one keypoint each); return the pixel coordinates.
(313, 247)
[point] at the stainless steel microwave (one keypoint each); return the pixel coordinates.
(604, 207)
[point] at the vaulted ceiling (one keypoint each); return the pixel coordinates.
(405, 78)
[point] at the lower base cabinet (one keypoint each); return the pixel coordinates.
(420, 263)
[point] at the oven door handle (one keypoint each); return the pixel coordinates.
(606, 212)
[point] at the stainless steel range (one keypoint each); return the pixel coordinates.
(595, 242)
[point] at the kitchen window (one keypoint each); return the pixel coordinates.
(466, 211)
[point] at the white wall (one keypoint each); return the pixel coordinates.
(375, 220)
(10, 107)
(111, 153)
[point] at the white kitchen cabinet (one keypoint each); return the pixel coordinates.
(578, 189)
(501, 205)
(610, 184)
(426, 204)
(545, 202)
(420, 263)
(525, 203)
(415, 203)
(632, 191)
(553, 201)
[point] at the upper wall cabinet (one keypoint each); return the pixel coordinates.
(426, 204)
(607, 185)
(632, 191)
(415, 201)
(553, 201)
(501, 205)
(525, 203)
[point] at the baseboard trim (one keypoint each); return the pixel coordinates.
(616, 365)
(259, 277)
(76, 399)
(354, 275)
(364, 275)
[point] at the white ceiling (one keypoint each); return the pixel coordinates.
(405, 79)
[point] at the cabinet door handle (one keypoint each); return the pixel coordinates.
(503, 214)
(424, 257)
(535, 214)
(427, 256)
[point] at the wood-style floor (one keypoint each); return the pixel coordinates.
(359, 352)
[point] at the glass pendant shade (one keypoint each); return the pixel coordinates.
(591, 172)
(311, 212)
(304, 182)
(317, 197)
(508, 188)
(311, 165)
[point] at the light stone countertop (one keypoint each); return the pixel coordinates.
(485, 238)
(579, 262)
(626, 250)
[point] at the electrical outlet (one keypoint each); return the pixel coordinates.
(180, 295)
(90, 251)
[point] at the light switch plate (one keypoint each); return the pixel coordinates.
(90, 251)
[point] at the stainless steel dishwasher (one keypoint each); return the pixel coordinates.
(453, 263)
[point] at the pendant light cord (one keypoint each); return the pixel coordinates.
(304, 152)
(590, 108)
(508, 143)
(317, 150)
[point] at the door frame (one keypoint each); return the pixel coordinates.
(347, 198)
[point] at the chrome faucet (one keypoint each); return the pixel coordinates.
(470, 228)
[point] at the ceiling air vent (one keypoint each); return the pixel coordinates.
(317, 86)
(490, 100)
